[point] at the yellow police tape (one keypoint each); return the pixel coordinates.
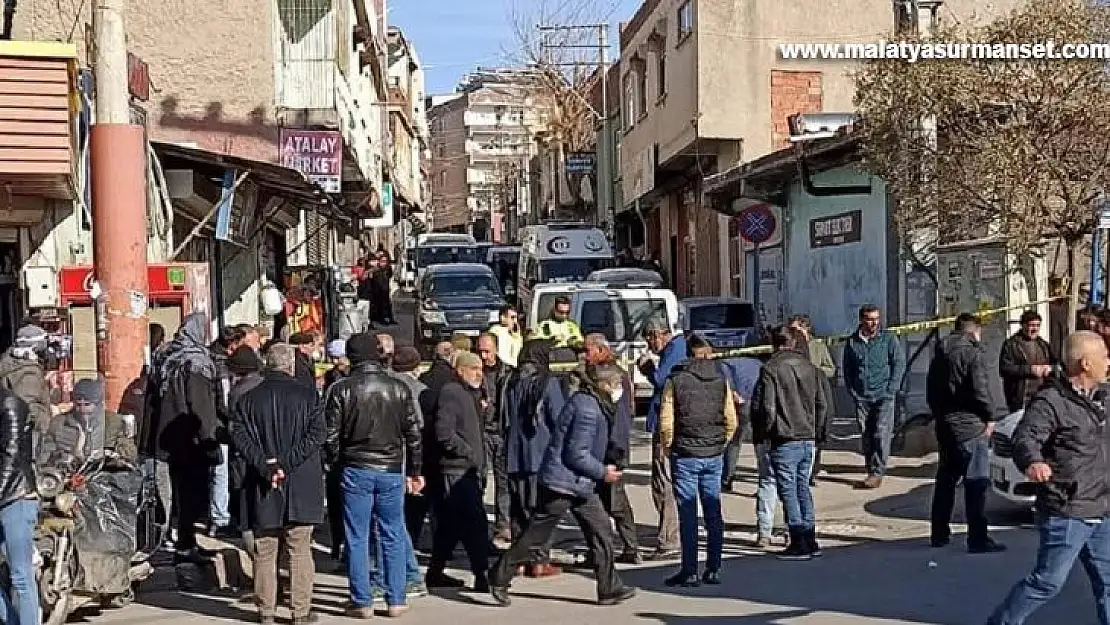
(984, 313)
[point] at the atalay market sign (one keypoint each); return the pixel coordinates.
(318, 154)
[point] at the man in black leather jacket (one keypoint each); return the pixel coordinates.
(374, 436)
(19, 507)
(959, 395)
(495, 374)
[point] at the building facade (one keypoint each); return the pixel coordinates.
(704, 88)
(267, 125)
(483, 138)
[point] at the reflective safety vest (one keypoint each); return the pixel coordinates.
(563, 333)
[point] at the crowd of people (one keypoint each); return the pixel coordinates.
(252, 440)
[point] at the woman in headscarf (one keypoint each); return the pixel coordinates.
(187, 430)
(87, 428)
(533, 400)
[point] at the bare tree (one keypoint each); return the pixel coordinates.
(982, 146)
(567, 61)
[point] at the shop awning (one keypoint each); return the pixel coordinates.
(766, 178)
(278, 180)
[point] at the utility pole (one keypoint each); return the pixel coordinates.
(117, 151)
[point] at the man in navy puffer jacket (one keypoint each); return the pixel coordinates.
(573, 470)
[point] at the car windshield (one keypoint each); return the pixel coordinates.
(570, 269)
(621, 320)
(446, 254)
(462, 284)
(721, 316)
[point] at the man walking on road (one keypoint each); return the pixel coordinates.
(874, 365)
(279, 429)
(959, 395)
(374, 438)
(1061, 445)
(697, 419)
(573, 469)
(790, 408)
(670, 350)
(494, 377)
(460, 455)
(1025, 361)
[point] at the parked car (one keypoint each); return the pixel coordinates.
(1007, 481)
(726, 322)
(459, 297)
(504, 260)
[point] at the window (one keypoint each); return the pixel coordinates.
(641, 86)
(628, 106)
(441, 151)
(721, 317)
(661, 72)
(443, 179)
(621, 319)
(685, 19)
(463, 284)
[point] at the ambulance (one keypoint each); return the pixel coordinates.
(559, 252)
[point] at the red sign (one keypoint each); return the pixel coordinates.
(162, 281)
(138, 78)
(318, 154)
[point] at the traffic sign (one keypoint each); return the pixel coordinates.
(757, 223)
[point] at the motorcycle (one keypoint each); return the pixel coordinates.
(96, 533)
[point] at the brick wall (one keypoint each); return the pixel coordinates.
(792, 92)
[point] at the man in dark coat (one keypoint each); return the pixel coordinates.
(790, 407)
(279, 429)
(614, 496)
(245, 368)
(19, 509)
(186, 425)
(1025, 361)
(440, 374)
(573, 470)
(305, 371)
(959, 395)
(459, 456)
(495, 375)
(533, 400)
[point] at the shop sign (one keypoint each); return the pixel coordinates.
(318, 154)
(835, 229)
(138, 78)
(75, 283)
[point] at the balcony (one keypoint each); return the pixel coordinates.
(480, 176)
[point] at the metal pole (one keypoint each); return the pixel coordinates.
(756, 303)
(118, 166)
(1096, 269)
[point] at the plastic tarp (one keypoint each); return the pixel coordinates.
(104, 538)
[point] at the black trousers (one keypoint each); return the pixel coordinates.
(594, 522)
(524, 495)
(417, 508)
(333, 493)
(193, 496)
(968, 461)
(462, 518)
(615, 499)
(495, 458)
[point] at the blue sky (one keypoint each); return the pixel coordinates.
(452, 37)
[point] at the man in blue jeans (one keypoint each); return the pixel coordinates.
(874, 365)
(1061, 445)
(697, 418)
(374, 437)
(19, 510)
(789, 413)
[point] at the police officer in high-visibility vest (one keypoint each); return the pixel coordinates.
(560, 328)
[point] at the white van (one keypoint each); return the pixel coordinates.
(619, 312)
(557, 252)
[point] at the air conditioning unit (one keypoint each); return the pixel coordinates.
(810, 126)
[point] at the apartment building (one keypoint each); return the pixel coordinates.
(482, 139)
(703, 88)
(408, 126)
(256, 87)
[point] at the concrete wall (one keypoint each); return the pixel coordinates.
(211, 66)
(831, 283)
